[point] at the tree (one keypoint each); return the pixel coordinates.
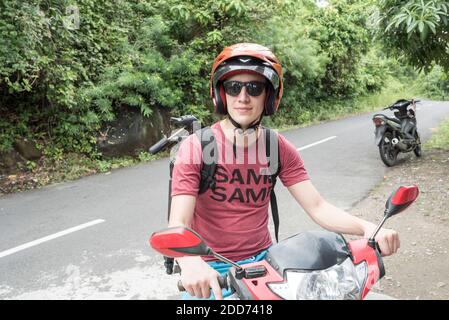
(416, 29)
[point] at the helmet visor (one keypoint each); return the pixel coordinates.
(261, 69)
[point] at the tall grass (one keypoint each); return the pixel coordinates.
(440, 138)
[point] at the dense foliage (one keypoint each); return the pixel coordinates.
(417, 29)
(67, 67)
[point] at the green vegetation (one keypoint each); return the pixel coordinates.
(393, 90)
(440, 138)
(68, 68)
(416, 29)
(435, 84)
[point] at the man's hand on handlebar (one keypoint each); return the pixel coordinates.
(198, 278)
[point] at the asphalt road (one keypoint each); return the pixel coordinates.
(88, 239)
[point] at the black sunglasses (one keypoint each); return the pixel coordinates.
(253, 88)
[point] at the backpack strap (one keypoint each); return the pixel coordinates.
(209, 156)
(209, 163)
(209, 160)
(272, 140)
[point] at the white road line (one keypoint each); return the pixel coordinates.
(315, 143)
(50, 237)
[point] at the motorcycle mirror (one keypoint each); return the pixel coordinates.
(400, 200)
(178, 242)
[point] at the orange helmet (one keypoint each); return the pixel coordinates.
(246, 58)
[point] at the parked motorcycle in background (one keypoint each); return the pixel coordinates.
(313, 265)
(398, 134)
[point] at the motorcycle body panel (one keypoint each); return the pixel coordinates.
(306, 251)
(362, 252)
(379, 132)
(394, 124)
(256, 288)
(388, 124)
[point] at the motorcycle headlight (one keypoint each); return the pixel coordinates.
(340, 282)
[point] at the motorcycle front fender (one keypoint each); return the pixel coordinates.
(379, 134)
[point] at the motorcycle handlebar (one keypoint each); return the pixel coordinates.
(184, 120)
(159, 145)
(222, 281)
(392, 105)
(378, 248)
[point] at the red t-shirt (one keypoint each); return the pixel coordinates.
(233, 218)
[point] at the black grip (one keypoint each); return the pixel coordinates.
(222, 281)
(380, 261)
(159, 145)
(378, 248)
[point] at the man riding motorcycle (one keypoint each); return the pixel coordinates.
(245, 85)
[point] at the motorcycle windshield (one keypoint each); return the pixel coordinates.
(311, 250)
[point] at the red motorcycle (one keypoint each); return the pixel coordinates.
(318, 265)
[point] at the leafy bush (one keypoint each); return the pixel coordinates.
(67, 67)
(435, 84)
(416, 29)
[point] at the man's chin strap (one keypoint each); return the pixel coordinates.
(253, 127)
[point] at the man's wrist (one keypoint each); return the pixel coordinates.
(367, 228)
(184, 260)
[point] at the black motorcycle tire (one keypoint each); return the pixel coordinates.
(417, 150)
(388, 153)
